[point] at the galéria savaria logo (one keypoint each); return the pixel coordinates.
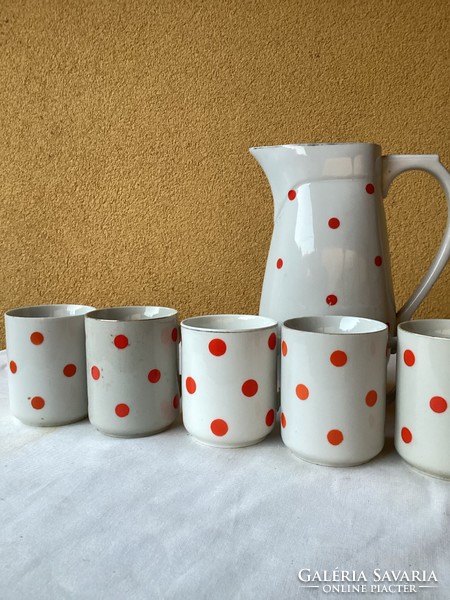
(378, 581)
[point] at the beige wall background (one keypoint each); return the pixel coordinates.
(125, 175)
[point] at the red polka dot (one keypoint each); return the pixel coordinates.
(95, 372)
(191, 386)
(272, 341)
(438, 404)
(302, 392)
(174, 334)
(249, 388)
(283, 420)
(371, 398)
(217, 347)
(370, 188)
(154, 375)
(279, 263)
(176, 401)
(292, 194)
(36, 338)
(331, 300)
(338, 358)
(270, 417)
(409, 358)
(37, 402)
(13, 367)
(333, 223)
(122, 410)
(284, 348)
(70, 370)
(121, 341)
(335, 437)
(219, 427)
(406, 435)
(378, 261)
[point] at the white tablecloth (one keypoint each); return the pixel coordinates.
(86, 516)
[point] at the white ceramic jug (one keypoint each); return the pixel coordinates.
(329, 252)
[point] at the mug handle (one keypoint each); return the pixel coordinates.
(393, 165)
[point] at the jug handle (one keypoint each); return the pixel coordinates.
(393, 165)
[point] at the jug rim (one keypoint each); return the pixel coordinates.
(312, 144)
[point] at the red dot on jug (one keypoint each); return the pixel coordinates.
(272, 341)
(378, 261)
(438, 404)
(37, 402)
(335, 437)
(219, 427)
(217, 347)
(370, 188)
(284, 348)
(154, 375)
(191, 386)
(371, 398)
(302, 392)
(95, 372)
(249, 388)
(121, 341)
(13, 367)
(331, 300)
(279, 263)
(409, 358)
(70, 370)
(338, 358)
(174, 334)
(406, 435)
(270, 417)
(122, 410)
(36, 338)
(283, 420)
(292, 194)
(176, 401)
(334, 223)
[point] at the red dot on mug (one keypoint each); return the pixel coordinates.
(335, 437)
(13, 367)
(36, 338)
(272, 341)
(409, 358)
(95, 372)
(370, 188)
(154, 375)
(121, 341)
(219, 427)
(438, 404)
(371, 398)
(270, 417)
(37, 402)
(302, 392)
(338, 358)
(217, 347)
(279, 263)
(176, 401)
(122, 410)
(406, 435)
(333, 223)
(378, 261)
(249, 388)
(174, 334)
(70, 370)
(284, 348)
(292, 194)
(190, 384)
(283, 420)
(331, 300)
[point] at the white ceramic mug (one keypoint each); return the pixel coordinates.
(47, 363)
(422, 424)
(132, 354)
(229, 378)
(333, 388)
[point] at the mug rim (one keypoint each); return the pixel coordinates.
(425, 328)
(32, 311)
(101, 314)
(265, 323)
(295, 324)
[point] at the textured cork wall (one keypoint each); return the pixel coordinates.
(125, 175)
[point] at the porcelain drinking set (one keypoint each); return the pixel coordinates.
(327, 322)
